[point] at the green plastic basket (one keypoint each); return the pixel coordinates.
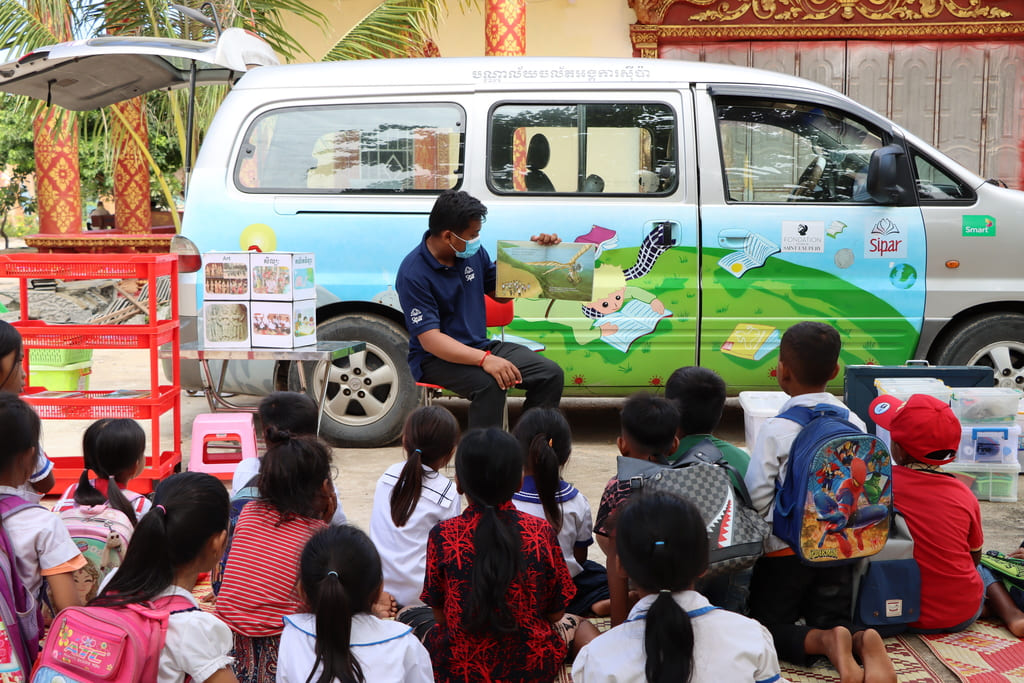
(73, 377)
(58, 357)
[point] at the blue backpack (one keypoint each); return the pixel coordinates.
(835, 503)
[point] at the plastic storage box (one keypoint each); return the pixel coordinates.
(997, 483)
(984, 405)
(905, 387)
(58, 357)
(74, 377)
(758, 406)
(989, 443)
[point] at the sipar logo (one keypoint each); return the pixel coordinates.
(416, 316)
(885, 241)
(469, 274)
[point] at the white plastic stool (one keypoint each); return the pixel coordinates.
(221, 427)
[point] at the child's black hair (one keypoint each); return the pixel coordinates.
(188, 510)
(287, 413)
(663, 546)
(341, 576)
(10, 342)
(429, 437)
(546, 440)
(454, 210)
(292, 475)
(699, 395)
(20, 426)
(489, 468)
(110, 446)
(650, 422)
(811, 350)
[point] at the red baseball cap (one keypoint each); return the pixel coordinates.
(923, 425)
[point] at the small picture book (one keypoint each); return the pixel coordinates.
(533, 271)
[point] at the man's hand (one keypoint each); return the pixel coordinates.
(504, 372)
(545, 239)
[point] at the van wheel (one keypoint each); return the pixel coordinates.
(369, 393)
(996, 341)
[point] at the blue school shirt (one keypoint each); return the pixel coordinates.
(435, 296)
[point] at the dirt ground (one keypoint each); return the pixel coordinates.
(594, 422)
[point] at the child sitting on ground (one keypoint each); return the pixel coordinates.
(648, 433)
(412, 497)
(296, 501)
(115, 450)
(925, 435)
(339, 639)
(783, 589)
(496, 580)
(547, 441)
(182, 537)
(673, 633)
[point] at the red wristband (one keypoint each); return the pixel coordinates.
(486, 353)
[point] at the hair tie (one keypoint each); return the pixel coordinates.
(658, 544)
(333, 573)
(416, 450)
(161, 508)
(665, 591)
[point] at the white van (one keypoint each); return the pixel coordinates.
(724, 204)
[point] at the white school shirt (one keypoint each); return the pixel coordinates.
(771, 453)
(403, 551)
(577, 521)
(250, 467)
(197, 643)
(727, 647)
(39, 541)
(387, 651)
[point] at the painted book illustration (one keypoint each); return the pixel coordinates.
(752, 341)
(752, 250)
(530, 270)
(632, 321)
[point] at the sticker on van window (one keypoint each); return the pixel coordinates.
(979, 226)
(806, 237)
(885, 241)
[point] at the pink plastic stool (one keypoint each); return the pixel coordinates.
(221, 428)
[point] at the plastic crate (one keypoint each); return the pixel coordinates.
(758, 406)
(39, 334)
(74, 377)
(58, 357)
(995, 482)
(989, 443)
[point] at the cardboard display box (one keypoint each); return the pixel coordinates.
(283, 324)
(282, 276)
(226, 324)
(226, 276)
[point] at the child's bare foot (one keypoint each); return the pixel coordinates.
(1016, 626)
(878, 668)
(837, 645)
(601, 608)
(385, 607)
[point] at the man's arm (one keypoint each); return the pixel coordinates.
(438, 344)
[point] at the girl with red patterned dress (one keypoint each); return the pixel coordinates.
(496, 579)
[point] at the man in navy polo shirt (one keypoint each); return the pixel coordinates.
(441, 285)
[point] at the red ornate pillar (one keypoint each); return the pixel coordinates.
(58, 190)
(505, 28)
(131, 169)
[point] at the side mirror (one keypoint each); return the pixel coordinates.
(889, 179)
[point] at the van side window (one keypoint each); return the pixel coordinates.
(591, 148)
(381, 148)
(774, 151)
(935, 184)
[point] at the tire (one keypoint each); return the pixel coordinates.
(996, 341)
(369, 394)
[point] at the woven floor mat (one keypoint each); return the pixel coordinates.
(985, 653)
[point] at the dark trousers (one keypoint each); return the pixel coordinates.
(783, 589)
(542, 380)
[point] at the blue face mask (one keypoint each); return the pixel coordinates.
(472, 246)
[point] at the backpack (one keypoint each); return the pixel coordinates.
(887, 585)
(101, 533)
(736, 532)
(109, 644)
(1009, 570)
(20, 619)
(245, 495)
(838, 482)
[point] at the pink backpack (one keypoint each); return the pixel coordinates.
(109, 644)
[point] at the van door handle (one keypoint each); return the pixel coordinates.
(667, 237)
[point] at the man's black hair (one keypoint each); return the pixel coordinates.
(454, 210)
(811, 350)
(699, 394)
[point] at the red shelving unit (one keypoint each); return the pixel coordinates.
(91, 405)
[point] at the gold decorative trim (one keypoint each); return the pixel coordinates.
(908, 31)
(652, 12)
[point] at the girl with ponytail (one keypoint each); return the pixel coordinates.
(339, 640)
(547, 441)
(182, 536)
(496, 581)
(258, 588)
(115, 450)
(673, 634)
(412, 497)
